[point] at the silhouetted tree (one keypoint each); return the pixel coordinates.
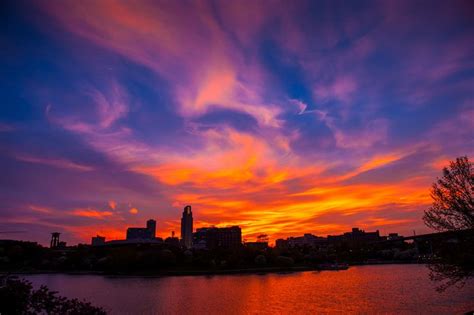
(19, 297)
(453, 198)
(447, 273)
(453, 210)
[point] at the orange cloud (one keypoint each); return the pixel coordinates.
(111, 232)
(231, 158)
(221, 88)
(441, 163)
(283, 214)
(88, 213)
(112, 204)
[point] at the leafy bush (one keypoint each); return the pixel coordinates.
(19, 297)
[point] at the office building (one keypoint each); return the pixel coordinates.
(356, 236)
(213, 237)
(146, 233)
(307, 240)
(187, 227)
(281, 243)
(151, 226)
(98, 240)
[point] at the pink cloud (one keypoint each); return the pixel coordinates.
(112, 205)
(60, 163)
(112, 107)
(196, 57)
(373, 132)
(341, 89)
(41, 209)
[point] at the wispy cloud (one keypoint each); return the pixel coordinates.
(59, 163)
(90, 213)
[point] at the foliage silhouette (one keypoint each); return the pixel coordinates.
(18, 297)
(453, 198)
(453, 210)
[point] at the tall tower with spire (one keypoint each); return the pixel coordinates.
(187, 227)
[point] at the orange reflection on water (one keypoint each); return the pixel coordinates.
(383, 289)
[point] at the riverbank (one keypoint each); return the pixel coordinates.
(165, 273)
(208, 272)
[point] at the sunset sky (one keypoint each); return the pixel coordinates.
(282, 117)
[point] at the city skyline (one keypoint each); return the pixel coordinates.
(197, 239)
(282, 118)
(191, 238)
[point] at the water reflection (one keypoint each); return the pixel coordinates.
(368, 289)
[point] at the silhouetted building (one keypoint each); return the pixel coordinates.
(281, 243)
(54, 240)
(147, 233)
(257, 245)
(187, 227)
(394, 236)
(213, 237)
(307, 240)
(98, 240)
(156, 240)
(199, 244)
(151, 226)
(356, 236)
(174, 241)
(200, 237)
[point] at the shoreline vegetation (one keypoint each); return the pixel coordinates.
(168, 259)
(208, 272)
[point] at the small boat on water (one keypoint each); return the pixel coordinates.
(333, 266)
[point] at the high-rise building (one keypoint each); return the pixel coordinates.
(187, 227)
(151, 226)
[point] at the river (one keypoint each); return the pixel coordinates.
(361, 289)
